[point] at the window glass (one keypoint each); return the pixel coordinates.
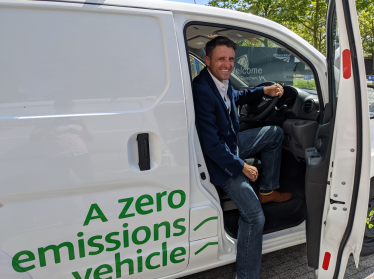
(257, 59)
(335, 55)
(196, 66)
(371, 100)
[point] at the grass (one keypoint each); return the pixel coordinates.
(300, 83)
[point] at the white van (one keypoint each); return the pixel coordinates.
(101, 170)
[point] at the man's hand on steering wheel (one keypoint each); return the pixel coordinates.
(275, 90)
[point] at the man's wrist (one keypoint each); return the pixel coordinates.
(266, 90)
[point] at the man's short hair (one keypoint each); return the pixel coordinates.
(218, 41)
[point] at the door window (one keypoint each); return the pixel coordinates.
(335, 56)
(257, 60)
(371, 101)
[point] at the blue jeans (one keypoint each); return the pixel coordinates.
(268, 141)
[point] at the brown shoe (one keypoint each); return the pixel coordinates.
(275, 196)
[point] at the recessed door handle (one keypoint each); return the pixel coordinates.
(143, 151)
(146, 147)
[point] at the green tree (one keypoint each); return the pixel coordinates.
(266, 8)
(228, 4)
(366, 22)
(306, 18)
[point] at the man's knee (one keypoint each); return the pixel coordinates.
(278, 133)
(260, 220)
(255, 218)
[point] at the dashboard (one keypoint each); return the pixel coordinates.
(300, 103)
(296, 102)
(297, 112)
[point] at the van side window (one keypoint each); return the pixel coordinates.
(335, 55)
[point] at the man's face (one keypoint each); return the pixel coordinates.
(222, 62)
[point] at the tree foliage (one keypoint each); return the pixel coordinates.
(307, 18)
(366, 22)
(304, 17)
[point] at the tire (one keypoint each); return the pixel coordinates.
(367, 246)
(368, 243)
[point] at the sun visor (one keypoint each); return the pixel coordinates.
(200, 30)
(198, 42)
(237, 35)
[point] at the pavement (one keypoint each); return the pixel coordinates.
(289, 263)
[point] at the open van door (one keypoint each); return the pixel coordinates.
(337, 179)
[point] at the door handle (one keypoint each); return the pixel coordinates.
(143, 151)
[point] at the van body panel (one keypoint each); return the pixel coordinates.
(78, 87)
(7, 271)
(80, 81)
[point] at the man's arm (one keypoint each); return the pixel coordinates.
(214, 147)
(246, 96)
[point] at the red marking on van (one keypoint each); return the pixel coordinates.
(346, 63)
(326, 261)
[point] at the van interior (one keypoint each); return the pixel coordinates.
(262, 61)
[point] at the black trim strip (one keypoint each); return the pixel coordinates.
(357, 178)
(330, 52)
(281, 43)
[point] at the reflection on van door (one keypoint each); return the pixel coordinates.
(347, 183)
(87, 93)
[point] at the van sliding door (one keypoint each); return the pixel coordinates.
(94, 165)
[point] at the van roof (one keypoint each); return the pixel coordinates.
(177, 7)
(163, 5)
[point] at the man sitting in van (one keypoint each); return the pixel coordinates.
(225, 149)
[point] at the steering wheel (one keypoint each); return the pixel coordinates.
(265, 106)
